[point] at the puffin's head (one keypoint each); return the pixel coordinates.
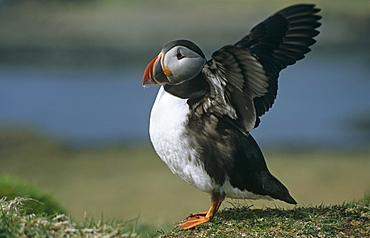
(178, 62)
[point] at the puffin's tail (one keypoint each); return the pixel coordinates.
(275, 189)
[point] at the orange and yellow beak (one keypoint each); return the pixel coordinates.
(154, 72)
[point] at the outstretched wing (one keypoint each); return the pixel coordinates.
(243, 77)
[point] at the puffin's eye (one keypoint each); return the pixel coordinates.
(179, 55)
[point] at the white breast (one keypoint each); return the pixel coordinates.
(167, 125)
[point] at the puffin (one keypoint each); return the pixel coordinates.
(205, 110)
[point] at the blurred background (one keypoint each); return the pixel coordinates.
(74, 116)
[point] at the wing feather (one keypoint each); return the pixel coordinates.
(243, 78)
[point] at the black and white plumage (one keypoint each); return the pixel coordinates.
(202, 117)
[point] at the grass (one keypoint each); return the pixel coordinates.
(351, 219)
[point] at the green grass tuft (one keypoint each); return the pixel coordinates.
(42, 202)
(351, 219)
(15, 222)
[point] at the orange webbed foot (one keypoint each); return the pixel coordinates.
(201, 217)
(194, 221)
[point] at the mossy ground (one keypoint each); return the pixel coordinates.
(350, 219)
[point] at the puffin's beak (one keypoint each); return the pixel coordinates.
(153, 73)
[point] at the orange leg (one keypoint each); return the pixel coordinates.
(202, 217)
(204, 213)
(197, 214)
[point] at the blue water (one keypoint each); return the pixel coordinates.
(317, 101)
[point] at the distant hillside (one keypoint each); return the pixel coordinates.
(101, 33)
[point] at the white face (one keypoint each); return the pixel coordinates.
(184, 64)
